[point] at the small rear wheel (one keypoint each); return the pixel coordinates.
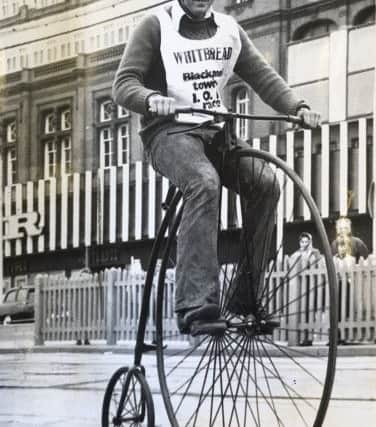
(127, 400)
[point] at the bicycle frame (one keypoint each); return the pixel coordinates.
(172, 199)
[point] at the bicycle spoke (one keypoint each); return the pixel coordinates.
(286, 387)
(284, 280)
(274, 410)
(224, 392)
(186, 355)
(190, 381)
(213, 385)
(297, 298)
(255, 384)
(255, 379)
(229, 377)
(202, 396)
(295, 361)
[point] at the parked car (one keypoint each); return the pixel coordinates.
(17, 305)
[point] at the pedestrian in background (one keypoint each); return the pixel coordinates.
(346, 240)
(306, 254)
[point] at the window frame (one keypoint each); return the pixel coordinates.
(105, 116)
(63, 119)
(242, 106)
(113, 134)
(11, 135)
(104, 153)
(49, 119)
(11, 167)
(120, 144)
(56, 140)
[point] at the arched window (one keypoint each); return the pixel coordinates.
(365, 16)
(314, 29)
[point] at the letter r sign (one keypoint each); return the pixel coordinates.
(25, 224)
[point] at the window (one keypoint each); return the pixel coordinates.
(366, 16)
(106, 111)
(11, 296)
(50, 123)
(123, 144)
(317, 28)
(10, 153)
(121, 35)
(114, 135)
(57, 142)
(11, 132)
(106, 148)
(50, 159)
(66, 120)
(242, 107)
(11, 166)
(122, 112)
(66, 155)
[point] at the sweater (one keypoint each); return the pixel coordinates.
(141, 72)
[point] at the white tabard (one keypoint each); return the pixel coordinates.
(198, 70)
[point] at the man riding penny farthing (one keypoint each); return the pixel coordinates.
(181, 58)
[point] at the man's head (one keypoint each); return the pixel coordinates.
(343, 227)
(305, 241)
(196, 8)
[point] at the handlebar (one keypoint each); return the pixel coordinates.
(219, 116)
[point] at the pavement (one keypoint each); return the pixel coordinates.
(63, 384)
(44, 387)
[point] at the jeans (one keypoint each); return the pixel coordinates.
(192, 162)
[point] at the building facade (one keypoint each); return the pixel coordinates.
(63, 139)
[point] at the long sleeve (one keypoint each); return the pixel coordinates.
(252, 67)
(139, 64)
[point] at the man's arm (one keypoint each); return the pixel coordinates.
(140, 54)
(264, 80)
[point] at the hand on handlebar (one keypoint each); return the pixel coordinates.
(161, 105)
(311, 119)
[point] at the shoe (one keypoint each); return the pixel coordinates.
(205, 313)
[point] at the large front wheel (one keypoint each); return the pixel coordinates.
(273, 362)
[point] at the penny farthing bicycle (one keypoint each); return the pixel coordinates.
(246, 370)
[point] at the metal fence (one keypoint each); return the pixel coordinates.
(106, 306)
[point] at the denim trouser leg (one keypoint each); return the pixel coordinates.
(181, 158)
(193, 167)
(260, 190)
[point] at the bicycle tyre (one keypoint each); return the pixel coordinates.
(226, 400)
(137, 408)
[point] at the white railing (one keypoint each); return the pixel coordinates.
(123, 203)
(106, 306)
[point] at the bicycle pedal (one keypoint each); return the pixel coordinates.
(217, 327)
